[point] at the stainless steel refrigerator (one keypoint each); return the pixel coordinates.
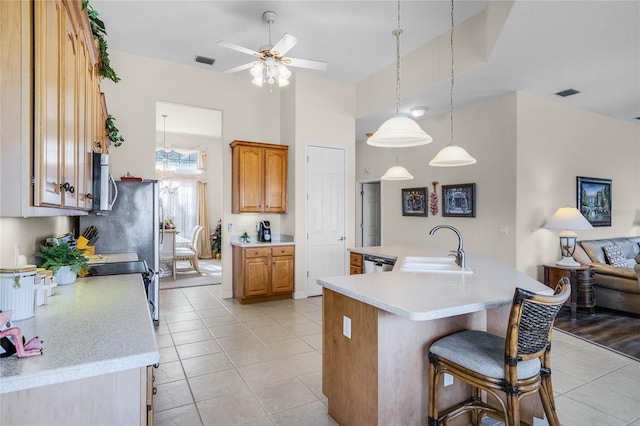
(132, 225)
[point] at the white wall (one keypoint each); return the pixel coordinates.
(557, 143)
(487, 131)
(319, 112)
(248, 113)
(28, 234)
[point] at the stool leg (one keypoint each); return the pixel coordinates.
(433, 394)
(476, 418)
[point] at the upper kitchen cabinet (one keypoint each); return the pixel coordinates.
(50, 108)
(259, 177)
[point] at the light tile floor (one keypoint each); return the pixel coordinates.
(222, 363)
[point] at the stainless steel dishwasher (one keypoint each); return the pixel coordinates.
(377, 264)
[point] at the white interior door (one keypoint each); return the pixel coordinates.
(370, 214)
(325, 215)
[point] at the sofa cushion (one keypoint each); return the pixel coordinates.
(593, 248)
(615, 256)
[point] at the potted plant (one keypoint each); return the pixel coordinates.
(65, 262)
(216, 240)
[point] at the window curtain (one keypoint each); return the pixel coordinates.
(203, 220)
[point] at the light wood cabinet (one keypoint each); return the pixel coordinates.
(259, 177)
(49, 65)
(263, 273)
(355, 263)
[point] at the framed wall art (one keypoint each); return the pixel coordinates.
(414, 202)
(459, 200)
(594, 200)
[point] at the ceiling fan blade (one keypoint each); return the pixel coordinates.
(240, 68)
(305, 63)
(286, 42)
(239, 48)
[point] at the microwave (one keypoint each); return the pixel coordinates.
(105, 190)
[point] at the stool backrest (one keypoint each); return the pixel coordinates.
(531, 322)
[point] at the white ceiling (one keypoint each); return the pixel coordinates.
(544, 47)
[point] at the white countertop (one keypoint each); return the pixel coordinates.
(423, 296)
(276, 240)
(96, 326)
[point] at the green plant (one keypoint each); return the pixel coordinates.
(54, 257)
(216, 237)
(99, 31)
(113, 134)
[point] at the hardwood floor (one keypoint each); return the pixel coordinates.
(612, 329)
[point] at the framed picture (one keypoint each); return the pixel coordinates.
(414, 202)
(594, 200)
(459, 200)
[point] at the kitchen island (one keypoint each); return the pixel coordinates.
(379, 373)
(98, 341)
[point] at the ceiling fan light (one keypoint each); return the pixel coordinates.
(397, 173)
(256, 70)
(282, 82)
(399, 132)
(257, 81)
(452, 156)
(284, 72)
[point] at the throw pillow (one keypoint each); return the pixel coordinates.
(614, 256)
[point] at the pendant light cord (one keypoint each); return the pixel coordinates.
(452, 74)
(397, 33)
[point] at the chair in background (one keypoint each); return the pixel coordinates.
(515, 366)
(168, 249)
(191, 252)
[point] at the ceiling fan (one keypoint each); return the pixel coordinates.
(271, 64)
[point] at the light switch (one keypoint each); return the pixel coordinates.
(504, 230)
(346, 326)
(230, 227)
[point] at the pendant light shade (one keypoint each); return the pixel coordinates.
(397, 173)
(400, 132)
(452, 156)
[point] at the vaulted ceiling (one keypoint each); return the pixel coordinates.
(544, 46)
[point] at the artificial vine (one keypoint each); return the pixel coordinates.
(113, 134)
(98, 30)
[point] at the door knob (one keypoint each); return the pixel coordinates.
(342, 239)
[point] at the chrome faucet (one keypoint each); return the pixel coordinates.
(459, 253)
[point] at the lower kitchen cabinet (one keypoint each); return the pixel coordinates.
(355, 263)
(263, 273)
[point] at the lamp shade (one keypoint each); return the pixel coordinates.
(397, 173)
(452, 156)
(399, 132)
(568, 218)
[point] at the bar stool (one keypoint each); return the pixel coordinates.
(515, 366)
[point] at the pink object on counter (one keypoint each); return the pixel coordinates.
(32, 348)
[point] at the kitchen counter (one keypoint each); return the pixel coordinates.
(378, 327)
(96, 326)
(276, 240)
(423, 296)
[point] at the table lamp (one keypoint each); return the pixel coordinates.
(568, 219)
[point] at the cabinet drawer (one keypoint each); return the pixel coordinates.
(355, 259)
(257, 252)
(282, 251)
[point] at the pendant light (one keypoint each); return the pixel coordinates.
(452, 155)
(399, 131)
(165, 171)
(397, 172)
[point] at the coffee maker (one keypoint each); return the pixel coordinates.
(264, 231)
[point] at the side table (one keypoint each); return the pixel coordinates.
(583, 291)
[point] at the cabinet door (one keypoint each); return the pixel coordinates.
(83, 125)
(48, 32)
(282, 274)
(256, 276)
(249, 179)
(69, 86)
(275, 180)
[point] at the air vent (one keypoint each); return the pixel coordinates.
(204, 60)
(567, 92)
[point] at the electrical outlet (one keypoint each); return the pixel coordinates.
(448, 379)
(230, 227)
(346, 326)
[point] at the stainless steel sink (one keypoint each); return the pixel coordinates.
(438, 265)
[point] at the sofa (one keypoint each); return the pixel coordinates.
(617, 271)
